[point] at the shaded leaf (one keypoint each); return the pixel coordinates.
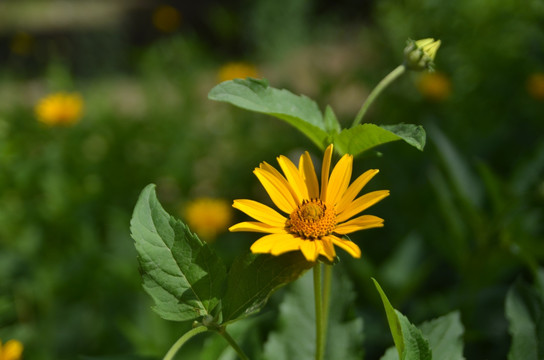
(408, 339)
(256, 95)
(253, 277)
(364, 137)
(297, 321)
(181, 273)
(445, 335)
(525, 313)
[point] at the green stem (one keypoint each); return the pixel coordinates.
(327, 277)
(392, 76)
(182, 340)
(233, 344)
(320, 340)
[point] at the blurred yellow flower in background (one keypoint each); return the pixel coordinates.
(11, 350)
(434, 86)
(318, 217)
(535, 86)
(60, 109)
(166, 18)
(237, 70)
(208, 217)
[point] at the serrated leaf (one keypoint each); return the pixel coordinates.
(254, 277)
(525, 313)
(256, 95)
(408, 339)
(181, 273)
(445, 336)
(297, 321)
(364, 137)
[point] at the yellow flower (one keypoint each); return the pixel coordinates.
(237, 70)
(11, 350)
(166, 18)
(208, 217)
(317, 218)
(535, 86)
(434, 86)
(419, 55)
(60, 109)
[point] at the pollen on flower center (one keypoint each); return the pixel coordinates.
(311, 220)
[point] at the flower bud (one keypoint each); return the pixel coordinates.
(419, 55)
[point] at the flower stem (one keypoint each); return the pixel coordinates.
(327, 276)
(319, 333)
(392, 76)
(182, 340)
(233, 344)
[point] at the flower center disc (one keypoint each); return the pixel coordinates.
(311, 220)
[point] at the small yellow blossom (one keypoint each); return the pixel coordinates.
(60, 109)
(166, 18)
(318, 217)
(11, 350)
(535, 86)
(434, 86)
(208, 217)
(419, 55)
(237, 70)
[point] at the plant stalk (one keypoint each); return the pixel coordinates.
(182, 340)
(233, 344)
(319, 330)
(388, 79)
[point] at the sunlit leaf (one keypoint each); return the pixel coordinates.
(364, 137)
(445, 335)
(181, 273)
(256, 95)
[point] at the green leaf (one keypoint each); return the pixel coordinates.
(364, 137)
(331, 121)
(297, 321)
(181, 273)
(256, 95)
(445, 335)
(525, 313)
(252, 279)
(408, 339)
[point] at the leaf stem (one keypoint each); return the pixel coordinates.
(233, 344)
(319, 333)
(182, 340)
(388, 79)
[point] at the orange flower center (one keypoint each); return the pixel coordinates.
(311, 220)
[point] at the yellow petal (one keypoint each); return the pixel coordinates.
(257, 227)
(293, 177)
(339, 180)
(359, 223)
(264, 244)
(348, 246)
(354, 189)
(328, 248)
(307, 171)
(277, 190)
(361, 204)
(325, 169)
(287, 245)
(260, 212)
(309, 250)
(267, 167)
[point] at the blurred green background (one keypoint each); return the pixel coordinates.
(464, 219)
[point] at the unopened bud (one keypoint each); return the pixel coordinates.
(419, 55)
